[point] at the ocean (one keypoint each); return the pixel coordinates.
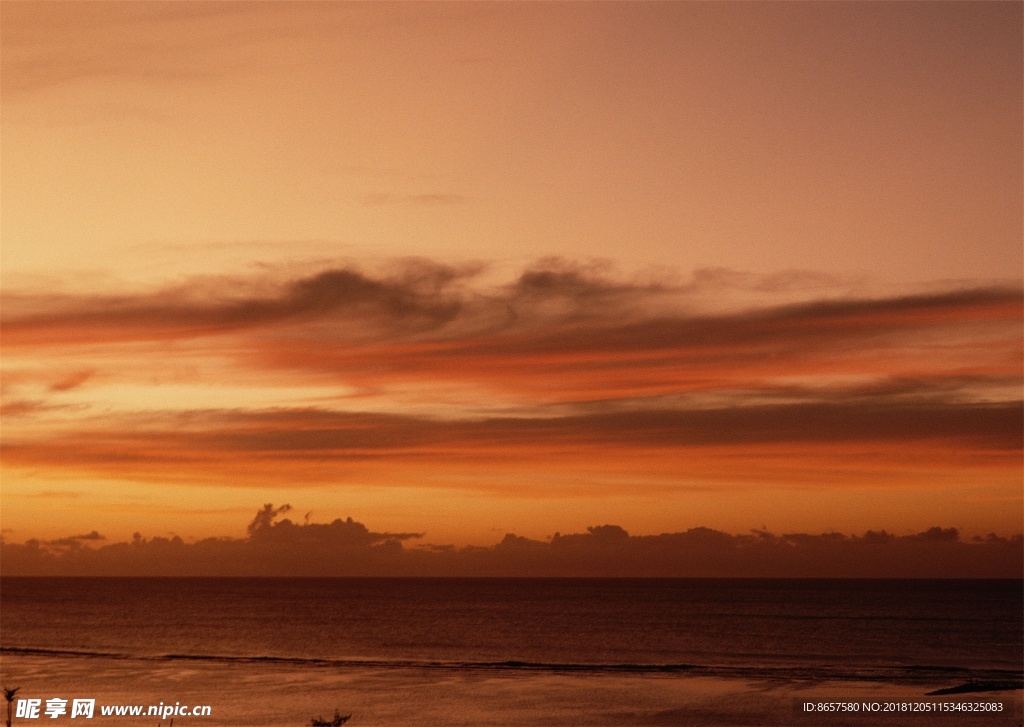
(265, 651)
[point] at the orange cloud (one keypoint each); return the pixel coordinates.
(555, 334)
(794, 443)
(425, 377)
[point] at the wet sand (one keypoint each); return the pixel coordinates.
(269, 694)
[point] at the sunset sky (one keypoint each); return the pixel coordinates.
(476, 268)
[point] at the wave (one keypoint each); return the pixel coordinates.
(510, 665)
(914, 673)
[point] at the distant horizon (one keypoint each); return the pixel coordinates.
(531, 578)
(345, 548)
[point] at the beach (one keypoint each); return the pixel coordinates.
(271, 694)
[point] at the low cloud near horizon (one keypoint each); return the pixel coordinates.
(277, 546)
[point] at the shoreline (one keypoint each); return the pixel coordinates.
(947, 679)
(972, 687)
(259, 694)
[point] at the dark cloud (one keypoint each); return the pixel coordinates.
(73, 542)
(290, 437)
(90, 536)
(276, 547)
(416, 297)
(72, 381)
(426, 297)
(774, 331)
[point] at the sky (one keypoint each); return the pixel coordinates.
(470, 269)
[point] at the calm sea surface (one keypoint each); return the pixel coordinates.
(897, 632)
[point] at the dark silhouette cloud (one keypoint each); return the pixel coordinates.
(73, 542)
(280, 547)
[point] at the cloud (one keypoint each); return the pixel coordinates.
(565, 365)
(276, 547)
(556, 331)
(23, 407)
(647, 316)
(71, 381)
(416, 295)
(719, 278)
(73, 542)
(31, 407)
(778, 442)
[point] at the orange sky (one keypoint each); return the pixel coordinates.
(481, 268)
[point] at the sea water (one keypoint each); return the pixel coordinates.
(497, 651)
